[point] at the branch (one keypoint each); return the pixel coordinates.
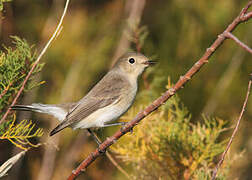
(162, 99)
(113, 161)
(233, 37)
(5, 167)
(55, 34)
(234, 132)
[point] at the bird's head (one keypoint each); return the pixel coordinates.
(133, 64)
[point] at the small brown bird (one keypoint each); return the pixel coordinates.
(109, 99)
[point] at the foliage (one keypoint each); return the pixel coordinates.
(15, 64)
(179, 33)
(20, 134)
(168, 146)
(1, 3)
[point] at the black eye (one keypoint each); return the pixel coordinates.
(131, 60)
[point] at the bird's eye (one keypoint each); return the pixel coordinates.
(131, 60)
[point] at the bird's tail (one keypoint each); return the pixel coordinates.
(56, 111)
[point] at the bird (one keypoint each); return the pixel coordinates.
(108, 100)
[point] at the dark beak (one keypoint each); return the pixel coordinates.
(150, 62)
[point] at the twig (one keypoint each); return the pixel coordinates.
(47, 168)
(226, 79)
(55, 34)
(161, 100)
(5, 90)
(113, 161)
(117, 165)
(6, 166)
(234, 132)
(248, 15)
(244, 46)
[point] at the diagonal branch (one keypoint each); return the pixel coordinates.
(161, 100)
(233, 37)
(55, 34)
(234, 132)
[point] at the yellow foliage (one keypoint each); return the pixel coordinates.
(20, 134)
(166, 145)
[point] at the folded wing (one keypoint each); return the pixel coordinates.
(106, 92)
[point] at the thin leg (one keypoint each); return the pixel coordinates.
(94, 137)
(115, 124)
(97, 140)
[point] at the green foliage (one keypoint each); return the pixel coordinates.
(166, 145)
(1, 3)
(15, 63)
(4, 126)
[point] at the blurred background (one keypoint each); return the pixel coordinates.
(95, 33)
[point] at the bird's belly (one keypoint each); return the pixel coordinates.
(103, 116)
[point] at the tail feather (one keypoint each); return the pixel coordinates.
(56, 111)
(60, 127)
(25, 108)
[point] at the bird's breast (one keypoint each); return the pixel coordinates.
(109, 113)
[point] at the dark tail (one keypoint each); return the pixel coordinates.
(60, 127)
(24, 108)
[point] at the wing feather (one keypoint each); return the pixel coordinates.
(106, 92)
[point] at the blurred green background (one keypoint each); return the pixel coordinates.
(179, 31)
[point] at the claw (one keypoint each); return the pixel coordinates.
(101, 151)
(131, 130)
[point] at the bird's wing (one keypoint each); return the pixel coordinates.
(106, 92)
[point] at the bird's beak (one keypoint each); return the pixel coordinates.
(149, 62)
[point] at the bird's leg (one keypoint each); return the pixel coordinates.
(115, 124)
(94, 137)
(97, 140)
(131, 130)
(118, 124)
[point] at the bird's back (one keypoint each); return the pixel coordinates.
(113, 94)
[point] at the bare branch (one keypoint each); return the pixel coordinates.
(55, 34)
(234, 132)
(161, 100)
(5, 167)
(113, 161)
(117, 165)
(224, 81)
(245, 10)
(233, 37)
(247, 16)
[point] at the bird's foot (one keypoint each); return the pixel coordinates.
(123, 128)
(115, 124)
(101, 151)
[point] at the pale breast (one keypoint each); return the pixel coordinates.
(109, 113)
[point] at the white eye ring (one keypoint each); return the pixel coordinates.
(131, 60)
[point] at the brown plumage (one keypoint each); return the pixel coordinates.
(103, 94)
(106, 101)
